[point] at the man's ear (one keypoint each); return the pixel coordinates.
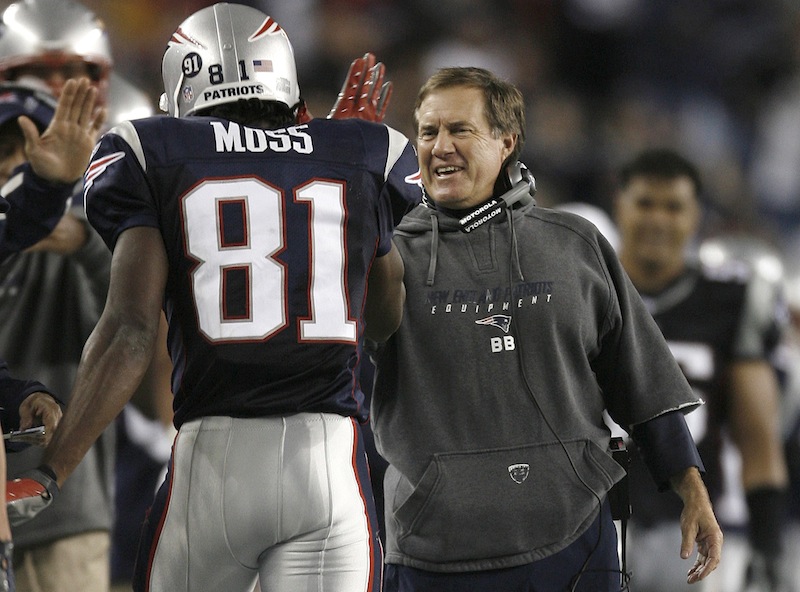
(509, 143)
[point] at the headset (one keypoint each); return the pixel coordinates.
(515, 184)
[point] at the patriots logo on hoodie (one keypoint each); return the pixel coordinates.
(502, 322)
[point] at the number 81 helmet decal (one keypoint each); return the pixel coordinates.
(224, 53)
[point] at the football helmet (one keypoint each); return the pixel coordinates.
(54, 34)
(227, 52)
(126, 101)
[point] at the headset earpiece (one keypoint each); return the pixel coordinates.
(517, 184)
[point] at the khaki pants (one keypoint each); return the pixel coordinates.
(77, 563)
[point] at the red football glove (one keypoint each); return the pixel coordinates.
(29, 495)
(364, 94)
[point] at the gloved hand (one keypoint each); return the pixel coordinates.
(6, 567)
(364, 94)
(29, 495)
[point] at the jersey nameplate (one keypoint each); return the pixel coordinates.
(232, 137)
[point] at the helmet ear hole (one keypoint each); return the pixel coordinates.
(224, 53)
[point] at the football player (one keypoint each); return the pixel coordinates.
(45, 142)
(258, 236)
(721, 323)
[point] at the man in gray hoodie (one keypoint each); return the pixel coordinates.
(520, 330)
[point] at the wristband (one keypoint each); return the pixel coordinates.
(766, 506)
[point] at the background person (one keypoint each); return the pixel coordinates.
(51, 297)
(722, 324)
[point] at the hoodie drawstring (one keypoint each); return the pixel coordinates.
(515, 262)
(514, 243)
(434, 248)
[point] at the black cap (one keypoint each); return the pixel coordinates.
(20, 99)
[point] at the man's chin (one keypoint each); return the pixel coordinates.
(448, 199)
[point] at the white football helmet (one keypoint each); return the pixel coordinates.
(126, 102)
(52, 33)
(224, 53)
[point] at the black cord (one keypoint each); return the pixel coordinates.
(623, 573)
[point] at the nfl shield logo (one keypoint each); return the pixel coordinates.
(188, 93)
(519, 472)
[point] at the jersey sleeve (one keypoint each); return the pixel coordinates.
(402, 189)
(763, 320)
(116, 192)
(36, 206)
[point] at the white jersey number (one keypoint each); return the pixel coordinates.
(248, 260)
(697, 362)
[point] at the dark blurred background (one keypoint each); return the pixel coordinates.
(716, 79)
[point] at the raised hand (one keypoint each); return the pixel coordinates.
(364, 94)
(61, 153)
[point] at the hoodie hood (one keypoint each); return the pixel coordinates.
(426, 218)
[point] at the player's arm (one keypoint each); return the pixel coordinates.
(755, 429)
(754, 423)
(56, 160)
(118, 351)
(386, 296)
(751, 387)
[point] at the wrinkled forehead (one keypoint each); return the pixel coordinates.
(456, 104)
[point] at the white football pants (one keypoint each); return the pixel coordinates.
(286, 500)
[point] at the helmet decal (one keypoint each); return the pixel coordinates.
(179, 37)
(268, 27)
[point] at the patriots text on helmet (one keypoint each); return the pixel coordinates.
(232, 137)
(213, 94)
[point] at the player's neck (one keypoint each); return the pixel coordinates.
(649, 276)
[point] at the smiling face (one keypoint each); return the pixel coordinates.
(460, 156)
(657, 217)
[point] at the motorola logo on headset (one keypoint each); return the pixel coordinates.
(518, 187)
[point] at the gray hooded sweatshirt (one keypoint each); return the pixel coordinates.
(489, 399)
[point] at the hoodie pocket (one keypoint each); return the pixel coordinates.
(503, 502)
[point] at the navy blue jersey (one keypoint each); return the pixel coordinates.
(710, 318)
(270, 235)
